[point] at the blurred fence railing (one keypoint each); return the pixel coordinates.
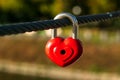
(85, 35)
(53, 72)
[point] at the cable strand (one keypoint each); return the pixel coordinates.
(51, 24)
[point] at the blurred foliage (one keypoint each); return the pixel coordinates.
(29, 10)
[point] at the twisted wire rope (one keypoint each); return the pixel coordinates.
(16, 28)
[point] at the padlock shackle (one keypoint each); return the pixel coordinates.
(74, 21)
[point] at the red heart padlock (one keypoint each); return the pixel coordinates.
(64, 51)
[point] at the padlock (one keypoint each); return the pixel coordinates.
(64, 51)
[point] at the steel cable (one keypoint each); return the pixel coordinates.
(16, 28)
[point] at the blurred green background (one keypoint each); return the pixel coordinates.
(101, 41)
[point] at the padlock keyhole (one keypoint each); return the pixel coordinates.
(63, 52)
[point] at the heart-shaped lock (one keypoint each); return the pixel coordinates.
(64, 51)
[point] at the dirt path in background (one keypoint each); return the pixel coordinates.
(54, 73)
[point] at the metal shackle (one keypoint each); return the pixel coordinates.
(74, 21)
